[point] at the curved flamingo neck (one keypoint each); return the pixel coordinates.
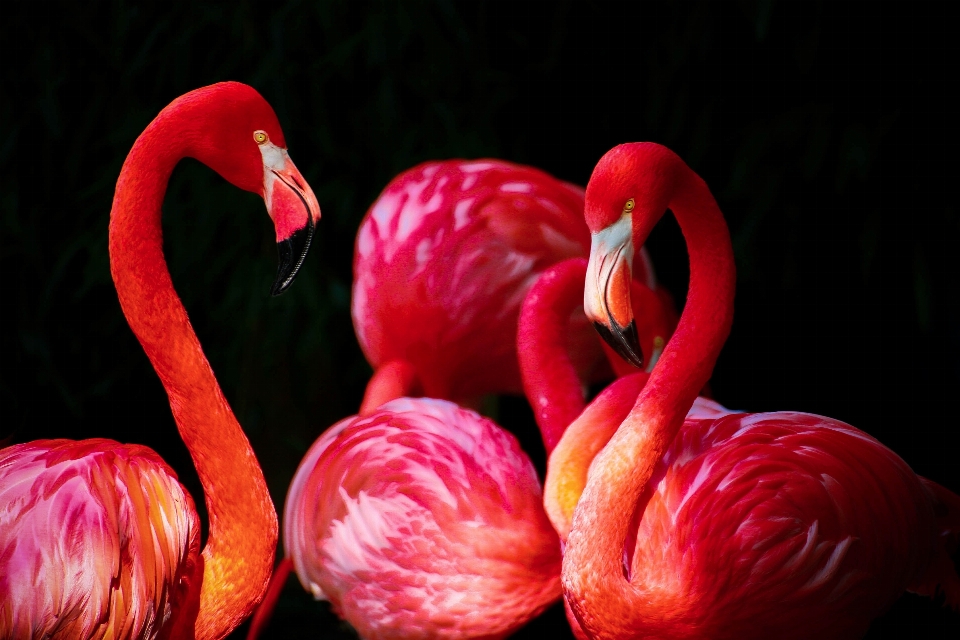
(237, 559)
(573, 434)
(550, 379)
(603, 599)
(583, 439)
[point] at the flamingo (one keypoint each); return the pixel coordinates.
(443, 260)
(98, 539)
(422, 520)
(785, 525)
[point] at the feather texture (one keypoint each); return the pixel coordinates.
(422, 520)
(72, 515)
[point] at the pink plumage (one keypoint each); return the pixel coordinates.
(422, 520)
(791, 525)
(443, 260)
(825, 523)
(72, 515)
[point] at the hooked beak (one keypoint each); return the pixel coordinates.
(294, 210)
(606, 294)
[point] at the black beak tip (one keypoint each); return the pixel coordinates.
(280, 286)
(292, 252)
(623, 340)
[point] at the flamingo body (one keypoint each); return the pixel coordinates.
(769, 525)
(443, 260)
(784, 525)
(422, 520)
(110, 503)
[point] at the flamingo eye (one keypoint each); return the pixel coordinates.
(261, 137)
(628, 207)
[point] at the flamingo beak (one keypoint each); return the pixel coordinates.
(606, 294)
(293, 209)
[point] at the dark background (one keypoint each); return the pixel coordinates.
(824, 129)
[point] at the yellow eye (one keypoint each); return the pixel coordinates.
(261, 137)
(628, 207)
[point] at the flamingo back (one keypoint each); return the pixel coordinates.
(750, 519)
(422, 520)
(96, 538)
(443, 260)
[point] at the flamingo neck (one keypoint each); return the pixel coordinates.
(602, 597)
(395, 379)
(237, 559)
(550, 379)
(583, 439)
(573, 434)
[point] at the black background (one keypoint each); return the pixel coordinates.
(826, 130)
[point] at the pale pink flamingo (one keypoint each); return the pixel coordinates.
(422, 520)
(443, 260)
(785, 525)
(98, 539)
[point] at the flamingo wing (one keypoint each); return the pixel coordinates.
(96, 538)
(753, 518)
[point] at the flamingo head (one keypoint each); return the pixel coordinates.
(624, 198)
(241, 140)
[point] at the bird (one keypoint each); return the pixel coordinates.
(98, 539)
(422, 519)
(786, 525)
(442, 261)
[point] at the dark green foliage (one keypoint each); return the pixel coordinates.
(823, 128)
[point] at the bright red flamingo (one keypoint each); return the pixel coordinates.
(443, 260)
(784, 525)
(98, 539)
(422, 520)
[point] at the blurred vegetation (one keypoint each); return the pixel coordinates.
(824, 129)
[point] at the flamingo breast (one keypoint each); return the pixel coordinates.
(95, 540)
(422, 520)
(789, 513)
